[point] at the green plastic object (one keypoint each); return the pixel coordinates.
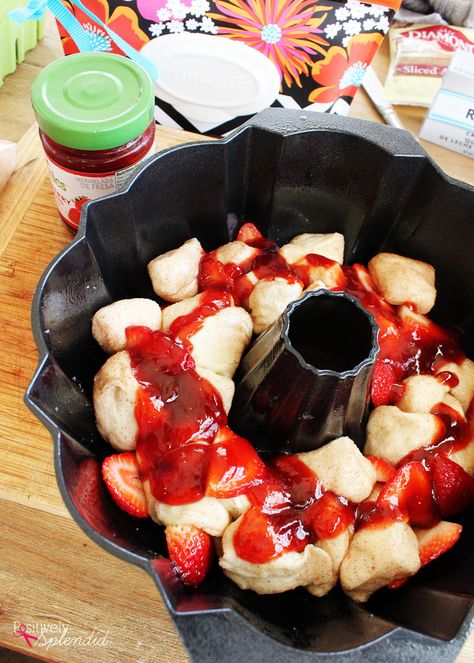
(93, 101)
(16, 40)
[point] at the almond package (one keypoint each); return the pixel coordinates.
(221, 61)
(420, 55)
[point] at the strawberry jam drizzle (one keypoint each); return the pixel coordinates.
(411, 346)
(290, 508)
(265, 263)
(211, 301)
(179, 413)
(454, 434)
(308, 267)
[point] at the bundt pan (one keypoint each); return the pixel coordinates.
(289, 172)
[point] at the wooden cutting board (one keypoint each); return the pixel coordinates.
(51, 575)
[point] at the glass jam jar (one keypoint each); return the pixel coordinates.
(95, 117)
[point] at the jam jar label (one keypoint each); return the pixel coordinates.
(73, 188)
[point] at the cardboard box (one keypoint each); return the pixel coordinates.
(450, 120)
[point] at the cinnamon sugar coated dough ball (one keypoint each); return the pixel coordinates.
(236, 506)
(377, 556)
(342, 468)
(110, 322)
(174, 274)
(114, 398)
(392, 434)
(207, 513)
(222, 338)
(421, 393)
(176, 310)
(464, 390)
(454, 404)
(292, 569)
(269, 299)
(329, 245)
(401, 280)
(235, 252)
(223, 385)
(331, 276)
(336, 548)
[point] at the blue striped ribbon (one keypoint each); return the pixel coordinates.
(35, 9)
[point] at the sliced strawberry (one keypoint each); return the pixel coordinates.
(190, 549)
(383, 380)
(453, 487)
(252, 236)
(330, 516)
(261, 537)
(383, 469)
(410, 490)
(234, 465)
(180, 477)
(217, 275)
(120, 473)
(249, 233)
(437, 540)
(301, 482)
(137, 336)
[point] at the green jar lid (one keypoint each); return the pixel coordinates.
(93, 101)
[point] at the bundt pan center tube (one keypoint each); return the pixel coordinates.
(290, 172)
(305, 381)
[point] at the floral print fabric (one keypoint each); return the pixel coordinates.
(320, 48)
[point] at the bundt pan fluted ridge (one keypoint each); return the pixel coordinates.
(289, 172)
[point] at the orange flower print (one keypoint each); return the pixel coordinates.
(286, 31)
(341, 72)
(123, 21)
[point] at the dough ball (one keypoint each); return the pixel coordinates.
(110, 322)
(336, 548)
(421, 393)
(392, 434)
(329, 245)
(174, 311)
(377, 556)
(464, 390)
(238, 253)
(269, 299)
(292, 569)
(208, 513)
(114, 398)
(174, 274)
(219, 344)
(342, 468)
(401, 280)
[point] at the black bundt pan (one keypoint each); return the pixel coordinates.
(290, 172)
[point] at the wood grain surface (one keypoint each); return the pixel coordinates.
(51, 574)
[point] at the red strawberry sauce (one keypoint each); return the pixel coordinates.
(187, 325)
(179, 413)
